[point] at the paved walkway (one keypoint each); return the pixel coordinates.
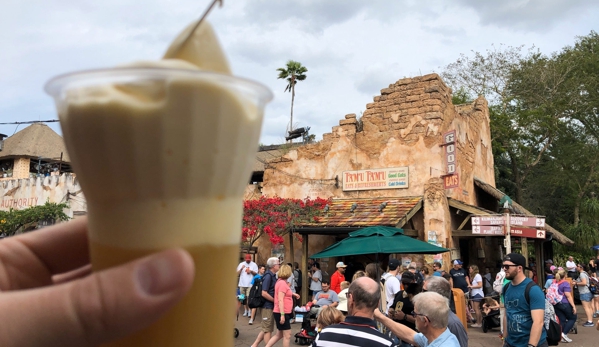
(586, 337)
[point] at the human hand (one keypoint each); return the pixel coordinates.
(46, 283)
(297, 296)
(282, 320)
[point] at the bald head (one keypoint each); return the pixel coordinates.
(365, 293)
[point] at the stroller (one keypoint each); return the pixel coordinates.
(308, 332)
(491, 321)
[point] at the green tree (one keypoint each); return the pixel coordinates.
(293, 72)
(16, 221)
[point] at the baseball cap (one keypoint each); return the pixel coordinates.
(340, 264)
(248, 257)
(393, 264)
(457, 262)
(517, 259)
(549, 261)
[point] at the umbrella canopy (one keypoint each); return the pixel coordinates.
(378, 239)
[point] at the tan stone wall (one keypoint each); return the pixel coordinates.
(23, 193)
(401, 127)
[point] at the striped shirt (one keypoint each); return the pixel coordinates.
(354, 332)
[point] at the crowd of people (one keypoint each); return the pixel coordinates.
(412, 306)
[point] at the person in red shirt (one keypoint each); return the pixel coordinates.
(338, 277)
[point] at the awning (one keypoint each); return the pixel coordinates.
(378, 239)
(344, 215)
(497, 194)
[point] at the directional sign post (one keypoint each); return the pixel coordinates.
(528, 232)
(537, 222)
(488, 229)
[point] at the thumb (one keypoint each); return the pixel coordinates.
(102, 307)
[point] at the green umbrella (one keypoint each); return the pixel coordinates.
(378, 239)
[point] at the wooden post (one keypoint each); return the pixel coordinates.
(540, 264)
(291, 250)
(304, 266)
(524, 243)
(291, 253)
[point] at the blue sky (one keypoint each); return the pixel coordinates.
(352, 48)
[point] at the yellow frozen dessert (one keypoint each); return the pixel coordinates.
(163, 151)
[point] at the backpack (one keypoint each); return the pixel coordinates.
(298, 277)
(553, 295)
(255, 298)
(554, 332)
(594, 286)
(498, 283)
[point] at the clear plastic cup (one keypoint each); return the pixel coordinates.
(163, 157)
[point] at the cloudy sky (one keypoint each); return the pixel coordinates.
(352, 48)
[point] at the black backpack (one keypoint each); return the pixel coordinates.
(554, 333)
(298, 278)
(256, 299)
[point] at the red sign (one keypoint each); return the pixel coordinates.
(488, 220)
(528, 221)
(527, 232)
(451, 181)
(487, 230)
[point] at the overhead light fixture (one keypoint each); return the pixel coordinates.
(326, 208)
(382, 206)
(353, 207)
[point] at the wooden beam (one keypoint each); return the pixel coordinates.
(410, 214)
(410, 232)
(464, 233)
(304, 266)
(464, 222)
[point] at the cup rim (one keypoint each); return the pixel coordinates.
(55, 84)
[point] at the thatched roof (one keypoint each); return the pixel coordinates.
(35, 141)
(266, 155)
(497, 194)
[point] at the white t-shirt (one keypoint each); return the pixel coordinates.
(291, 281)
(316, 286)
(391, 288)
(245, 279)
(475, 282)
(571, 266)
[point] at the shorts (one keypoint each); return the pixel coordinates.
(587, 297)
(477, 298)
(245, 291)
(284, 326)
(267, 325)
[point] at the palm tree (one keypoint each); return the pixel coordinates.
(293, 73)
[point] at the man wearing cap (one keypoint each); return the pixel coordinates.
(246, 271)
(524, 318)
(392, 286)
(337, 277)
(459, 277)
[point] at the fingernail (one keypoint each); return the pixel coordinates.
(159, 274)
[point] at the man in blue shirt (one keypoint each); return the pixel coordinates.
(431, 311)
(524, 320)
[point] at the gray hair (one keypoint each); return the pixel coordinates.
(434, 307)
(439, 285)
(271, 262)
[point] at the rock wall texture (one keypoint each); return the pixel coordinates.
(23, 193)
(403, 126)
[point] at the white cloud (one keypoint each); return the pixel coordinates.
(352, 48)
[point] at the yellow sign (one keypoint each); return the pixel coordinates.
(389, 178)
